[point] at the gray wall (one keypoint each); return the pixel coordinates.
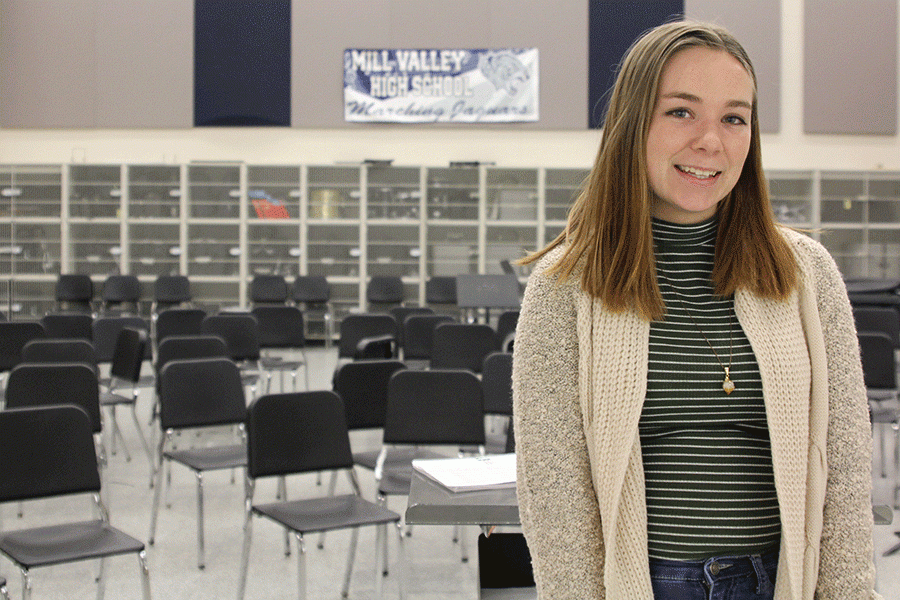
(129, 63)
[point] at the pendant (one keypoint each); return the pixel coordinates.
(727, 385)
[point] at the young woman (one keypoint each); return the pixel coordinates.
(690, 415)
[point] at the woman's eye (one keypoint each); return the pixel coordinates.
(680, 113)
(735, 120)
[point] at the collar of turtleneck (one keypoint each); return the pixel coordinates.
(673, 236)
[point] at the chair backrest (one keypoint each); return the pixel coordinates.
(434, 407)
(879, 318)
(385, 289)
(69, 325)
(75, 291)
(440, 289)
(297, 433)
(200, 392)
(418, 332)
(106, 331)
(462, 345)
(47, 384)
(179, 321)
(171, 290)
(47, 451)
(268, 289)
(401, 312)
(13, 337)
(496, 383)
(57, 350)
(121, 290)
(240, 332)
(311, 289)
(182, 347)
(128, 356)
(878, 360)
(506, 329)
(280, 326)
(356, 327)
(363, 386)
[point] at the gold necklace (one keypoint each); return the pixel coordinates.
(727, 384)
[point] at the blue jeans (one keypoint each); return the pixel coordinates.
(718, 578)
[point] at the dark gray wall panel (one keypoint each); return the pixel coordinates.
(323, 30)
(850, 67)
(757, 26)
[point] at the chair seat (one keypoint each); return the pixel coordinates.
(56, 544)
(275, 362)
(396, 457)
(113, 399)
(210, 459)
(395, 482)
(327, 513)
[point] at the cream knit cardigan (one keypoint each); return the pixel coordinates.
(579, 380)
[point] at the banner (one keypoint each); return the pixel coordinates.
(441, 86)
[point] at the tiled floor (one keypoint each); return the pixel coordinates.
(435, 571)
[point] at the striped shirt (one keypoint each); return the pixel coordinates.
(707, 456)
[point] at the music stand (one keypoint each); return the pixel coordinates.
(487, 292)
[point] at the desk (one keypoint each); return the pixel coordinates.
(432, 504)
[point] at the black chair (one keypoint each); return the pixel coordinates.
(496, 384)
(880, 377)
(49, 452)
(440, 289)
(363, 387)
(171, 291)
(198, 394)
(59, 350)
(401, 312)
(384, 292)
(75, 293)
(306, 432)
(364, 328)
(281, 328)
(312, 294)
(181, 347)
(105, 335)
(125, 374)
(418, 334)
(121, 294)
(177, 321)
(240, 330)
(428, 408)
(68, 325)
(462, 346)
(506, 330)
(878, 318)
(13, 337)
(268, 289)
(49, 384)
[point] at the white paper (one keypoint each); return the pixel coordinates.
(470, 473)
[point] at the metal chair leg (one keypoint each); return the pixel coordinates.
(201, 563)
(145, 574)
(301, 566)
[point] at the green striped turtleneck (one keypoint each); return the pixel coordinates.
(707, 457)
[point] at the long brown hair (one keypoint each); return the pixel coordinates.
(609, 225)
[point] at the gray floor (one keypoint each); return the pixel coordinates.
(436, 570)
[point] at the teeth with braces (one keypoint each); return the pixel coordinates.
(700, 173)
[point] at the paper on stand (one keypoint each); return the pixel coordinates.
(470, 473)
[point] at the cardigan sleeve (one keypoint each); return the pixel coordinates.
(846, 569)
(557, 502)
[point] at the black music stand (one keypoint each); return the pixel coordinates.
(487, 292)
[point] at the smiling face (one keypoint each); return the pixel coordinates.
(699, 133)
